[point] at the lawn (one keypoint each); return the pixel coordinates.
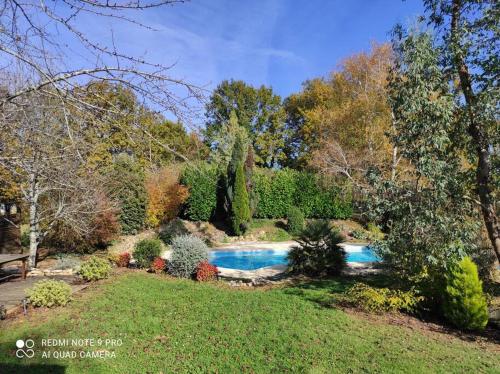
(181, 326)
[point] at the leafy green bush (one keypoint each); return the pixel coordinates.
(187, 252)
(378, 300)
(318, 251)
(374, 232)
(465, 303)
(95, 268)
(240, 207)
(295, 220)
(202, 181)
(145, 251)
(49, 293)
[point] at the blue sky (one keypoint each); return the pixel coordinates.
(273, 42)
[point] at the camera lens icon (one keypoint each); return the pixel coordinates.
(28, 352)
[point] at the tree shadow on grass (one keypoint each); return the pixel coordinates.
(10, 363)
(326, 291)
(31, 368)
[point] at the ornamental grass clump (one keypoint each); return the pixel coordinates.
(95, 268)
(187, 252)
(465, 303)
(49, 293)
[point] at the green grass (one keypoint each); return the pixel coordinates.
(181, 326)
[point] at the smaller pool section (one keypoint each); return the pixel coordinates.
(259, 258)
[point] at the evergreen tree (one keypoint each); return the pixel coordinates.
(238, 156)
(240, 208)
(465, 304)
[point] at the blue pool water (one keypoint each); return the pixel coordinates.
(259, 258)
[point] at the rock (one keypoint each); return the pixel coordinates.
(494, 316)
(260, 282)
(35, 273)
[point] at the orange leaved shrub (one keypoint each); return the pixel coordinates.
(165, 195)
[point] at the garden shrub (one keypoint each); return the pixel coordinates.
(49, 293)
(378, 300)
(145, 252)
(172, 229)
(66, 261)
(295, 220)
(158, 265)
(240, 207)
(359, 234)
(465, 303)
(206, 272)
(123, 260)
(187, 252)
(375, 233)
(202, 181)
(95, 268)
(318, 252)
(165, 195)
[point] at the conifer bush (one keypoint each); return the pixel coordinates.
(240, 208)
(188, 251)
(465, 303)
(146, 251)
(295, 220)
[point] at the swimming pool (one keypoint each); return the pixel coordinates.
(259, 258)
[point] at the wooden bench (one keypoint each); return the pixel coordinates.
(10, 258)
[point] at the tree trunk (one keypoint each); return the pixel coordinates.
(478, 134)
(33, 219)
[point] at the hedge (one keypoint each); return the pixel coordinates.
(276, 192)
(315, 196)
(201, 180)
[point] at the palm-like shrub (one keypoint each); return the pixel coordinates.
(318, 252)
(146, 251)
(465, 304)
(187, 252)
(295, 220)
(49, 293)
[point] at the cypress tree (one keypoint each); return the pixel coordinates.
(240, 208)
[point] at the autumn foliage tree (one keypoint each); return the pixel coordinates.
(341, 121)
